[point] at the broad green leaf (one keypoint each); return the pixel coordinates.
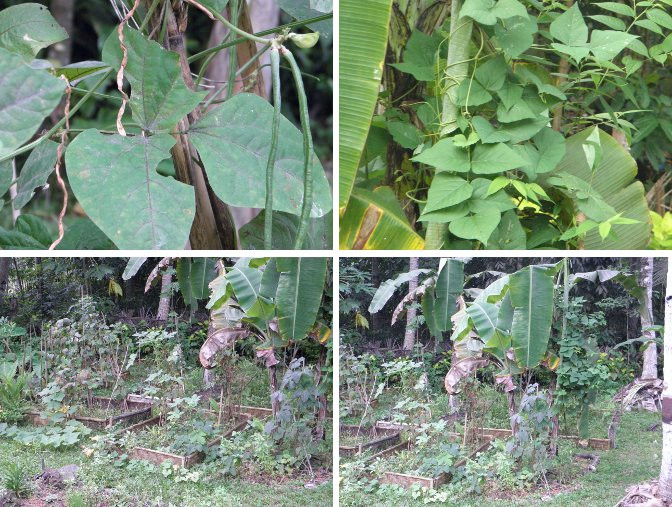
(269, 280)
(35, 172)
(447, 190)
(498, 344)
(570, 28)
(480, 11)
(515, 35)
(159, 97)
(27, 28)
(649, 25)
(237, 135)
(6, 176)
(429, 312)
(492, 74)
(404, 133)
(506, 9)
(445, 156)
(27, 96)
(194, 276)
(577, 53)
(246, 284)
(360, 72)
(322, 5)
(611, 21)
(82, 234)
(115, 180)
(132, 267)
(614, 179)
(494, 292)
(375, 221)
(660, 17)
(531, 292)
(505, 315)
(299, 294)
(471, 93)
(547, 153)
(448, 287)
(29, 233)
(509, 234)
(479, 226)
(387, 288)
(494, 158)
(616, 7)
(285, 227)
(607, 44)
(487, 132)
(484, 316)
(420, 56)
(221, 291)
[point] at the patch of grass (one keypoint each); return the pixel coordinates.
(120, 487)
(636, 459)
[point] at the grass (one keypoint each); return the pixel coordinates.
(636, 459)
(143, 485)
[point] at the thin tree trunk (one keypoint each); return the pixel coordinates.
(411, 313)
(164, 301)
(273, 381)
(665, 485)
(374, 324)
(457, 69)
(511, 399)
(4, 277)
(650, 366)
(322, 411)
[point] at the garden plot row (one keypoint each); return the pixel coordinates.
(386, 436)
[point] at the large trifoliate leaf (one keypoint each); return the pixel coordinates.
(234, 139)
(607, 44)
(27, 28)
(159, 97)
(35, 172)
(570, 28)
(420, 56)
(29, 233)
(27, 96)
(299, 294)
(115, 180)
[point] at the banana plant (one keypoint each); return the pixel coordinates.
(276, 300)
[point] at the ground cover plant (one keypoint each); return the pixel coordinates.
(215, 409)
(516, 386)
(504, 125)
(171, 132)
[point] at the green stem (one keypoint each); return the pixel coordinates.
(458, 51)
(277, 29)
(277, 101)
(60, 123)
(233, 27)
(148, 16)
(307, 150)
(233, 55)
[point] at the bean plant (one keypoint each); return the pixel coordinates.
(501, 124)
(177, 158)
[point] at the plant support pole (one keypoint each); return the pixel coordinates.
(277, 100)
(307, 150)
(457, 68)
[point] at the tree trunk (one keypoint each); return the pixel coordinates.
(511, 398)
(64, 12)
(374, 324)
(4, 277)
(650, 366)
(322, 411)
(411, 313)
(273, 381)
(164, 301)
(665, 485)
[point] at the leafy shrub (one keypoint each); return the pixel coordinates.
(15, 479)
(13, 402)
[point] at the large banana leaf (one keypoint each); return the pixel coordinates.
(531, 292)
(299, 294)
(448, 288)
(375, 221)
(614, 180)
(484, 316)
(387, 288)
(363, 41)
(246, 282)
(194, 275)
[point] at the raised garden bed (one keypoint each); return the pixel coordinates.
(158, 456)
(106, 412)
(355, 440)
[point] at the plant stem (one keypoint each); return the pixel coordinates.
(277, 101)
(233, 55)
(458, 51)
(278, 29)
(60, 123)
(148, 16)
(216, 15)
(307, 150)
